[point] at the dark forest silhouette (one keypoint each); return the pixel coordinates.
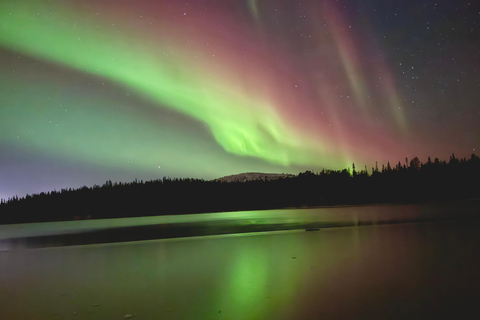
(412, 181)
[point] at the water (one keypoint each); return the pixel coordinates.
(49, 234)
(421, 270)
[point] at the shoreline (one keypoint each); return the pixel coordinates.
(84, 232)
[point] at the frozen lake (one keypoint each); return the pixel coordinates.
(424, 269)
(50, 234)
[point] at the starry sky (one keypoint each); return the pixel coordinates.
(120, 89)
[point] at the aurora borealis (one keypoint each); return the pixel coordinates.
(97, 90)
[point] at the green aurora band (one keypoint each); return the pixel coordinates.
(242, 122)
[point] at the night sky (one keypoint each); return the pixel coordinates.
(116, 89)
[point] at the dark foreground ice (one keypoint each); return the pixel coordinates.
(423, 269)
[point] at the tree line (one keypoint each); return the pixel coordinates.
(410, 182)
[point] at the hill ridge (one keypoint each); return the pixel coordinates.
(249, 176)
